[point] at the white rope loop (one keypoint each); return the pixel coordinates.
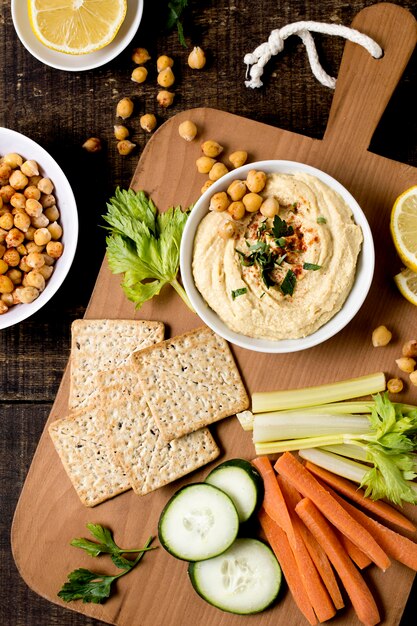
(257, 60)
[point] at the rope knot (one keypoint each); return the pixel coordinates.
(276, 42)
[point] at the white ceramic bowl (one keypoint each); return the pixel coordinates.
(77, 62)
(11, 141)
(364, 270)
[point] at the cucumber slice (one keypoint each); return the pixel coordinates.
(198, 522)
(242, 483)
(244, 579)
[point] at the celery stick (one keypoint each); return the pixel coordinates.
(312, 396)
(347, 449)
(245, 419)
(289, 445)
(295, 425)
(347, 468)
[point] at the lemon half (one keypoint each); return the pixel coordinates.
(406, 282)
(76, 26)
(404, 227)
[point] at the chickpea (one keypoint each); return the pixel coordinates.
(252, 202)
(14, 238)
(124, 109)
(395, 385)
(5, 173)
(52, 213)
(125, 147)
(410, 348)
(140, 56)
(255, 181)
(188, 131)
(237, 210)
(120, 132)
(42, 236)
(22, 221)
(40, 222)
(18, 180)
(165, 98)
(3, 266)
(26, 295)
(219, 202)
(15, 276)
(3, 234)
(54, 249)
(45, 185)
(139, 74)
(32, 191)
(166, 77)
(406, 364)
(55, 230)
(6, 192)
(148, 122)
(197, 58)
(33, 207)
(34, 260)
(92, 144)
(2, 250)
(30, 232)
(6, 285)
(30, 168)
(413, 378)
(163, 62)
(206, 185)
(16, 210)
(269, 207)
(35, 279)
(7, 298)
(12, 257)
(237, 189)
(46, 271)
(13, 159)
(211, 148)
(21, 249)
(33, 180)
(204, 164)
(3, 307)
(217, 171)
(381, 336)
(18, 200)
(6, 221)
(238, 158)
(47, 200)
(34, 247)
(227, 230)
(23, 265)
(48, 259)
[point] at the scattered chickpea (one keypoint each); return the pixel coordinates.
(204, 164)
(269, 207)
(413, 378)
(45, 186)
(32, 191)
(42, 236)
(410, 348)
(165, 98)
(120, 132)
(140, 56)
(381, 336)
(51, 213)
(219, 201)
(255, 181)
(211, 148)
(227, 230)
(33, 207)
(30, 168)
(395, 385)
(47, 200)
(6, 221)
(163, 62)
(125, 147)
(124, 108)
(197, 58)
(6, 285)
(55, 231)
(188, 131)
(238, 158)
(22, 221)
(237, 210)
(35, 279)
(54, 249)
(93, 144)
(148, 122)
(18, 180)
(13, 159)
(406, 364)
(139, 74)
(166, 77)
(217, 171)
(6, 192)
(206, 186)
(34, 260)
(40, 222)
(14, 238)
(27, 295)
(15, 276)
(252, 202)
(237, 189)
(12, 257)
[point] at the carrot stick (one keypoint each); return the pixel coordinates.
(357, 556)
(274, 503)
(280, 545)
(316, 552)
(395, 545)
(309, 487)
(358, 591)
(351, 491)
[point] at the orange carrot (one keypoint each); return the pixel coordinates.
(316, 552)
(280, 545)
(357, 556)
(358, 591)
(274, 503)
(351, 491)
(395, 545)
(308, 486)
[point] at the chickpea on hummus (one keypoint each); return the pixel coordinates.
(279, 277)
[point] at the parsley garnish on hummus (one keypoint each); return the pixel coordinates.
(238, 292)
(288, 284)
(321, 220)
(311, 266)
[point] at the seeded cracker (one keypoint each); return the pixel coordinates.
(190, 381)
(87, 458)
(99, 345)
(148, 461)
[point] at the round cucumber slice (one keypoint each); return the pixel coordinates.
(244, 579)
(199, 522)
(242, 483)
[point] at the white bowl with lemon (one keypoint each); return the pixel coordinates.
(70, 39)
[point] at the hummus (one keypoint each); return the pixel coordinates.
(280, 278)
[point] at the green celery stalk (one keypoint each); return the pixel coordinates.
(346, 449)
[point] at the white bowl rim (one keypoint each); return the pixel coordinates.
(80, 62)
(352, 304)
(20, 312)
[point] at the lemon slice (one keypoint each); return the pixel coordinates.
(406, 282)
(76, 26)
(404, 227)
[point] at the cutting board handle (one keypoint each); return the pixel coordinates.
(364, 84)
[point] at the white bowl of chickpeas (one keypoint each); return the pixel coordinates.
(276, 256)
(38, 227)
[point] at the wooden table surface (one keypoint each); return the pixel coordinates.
(60, 110)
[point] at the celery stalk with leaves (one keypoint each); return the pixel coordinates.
(144, 245)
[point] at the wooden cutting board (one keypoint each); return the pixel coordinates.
(49, 513)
